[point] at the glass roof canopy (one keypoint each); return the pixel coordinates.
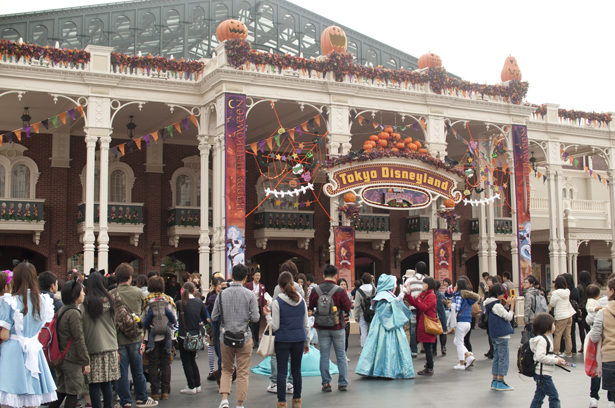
(187, 29)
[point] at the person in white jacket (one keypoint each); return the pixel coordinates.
(562, 312)
(365, 290)
(542, 347)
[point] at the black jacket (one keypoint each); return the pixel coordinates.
(193, 313)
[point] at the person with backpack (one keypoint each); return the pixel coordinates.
(192, 312)
(387, 352)
(541, 345)
(534, 304)
(99, 313)
(235, 308)
(128, 304)
(71, 344)
(562, 312)
(48, 285)
(159, 358)
(23, 314)
(426, 305)
(363, 312)
(329, 302)
(500, 313)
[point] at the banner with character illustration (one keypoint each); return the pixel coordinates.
(522, 189)
(235, 187)
(344, 253)
(443, 240)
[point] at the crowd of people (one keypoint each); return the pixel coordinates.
(98, 327)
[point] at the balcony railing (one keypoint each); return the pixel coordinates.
(502, 226)
(373, 223)
(117, 213)
(542, 203)
(287, 220)
(187, 217)
(417, 224)
(22, 210)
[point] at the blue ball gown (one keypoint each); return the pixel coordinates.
(30, 383)
(386, 352)
(310, 365)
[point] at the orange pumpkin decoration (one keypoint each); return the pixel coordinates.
(388, 129)
(333, 39)
(374, 138)
(511, 70)
(449, 203)
(400, 145)
(394, 150)
(350, 197)
(418, 144)
(383, 135)
(408, 140)
(425, 151)
(383, 143)
(430, 60)
(231, 29)
(412, 146)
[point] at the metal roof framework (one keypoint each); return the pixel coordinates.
(187, 29)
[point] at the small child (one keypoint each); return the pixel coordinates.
(313, 334)
(501, 313)
(593, 303)
(154, 309)
(542, 347)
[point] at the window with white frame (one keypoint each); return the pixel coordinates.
(117, 186)
(186, 184)
(183, 192)
(120, 182)
(18, 173)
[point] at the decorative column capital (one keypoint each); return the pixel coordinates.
(104, 141)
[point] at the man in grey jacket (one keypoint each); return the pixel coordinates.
(235, 308)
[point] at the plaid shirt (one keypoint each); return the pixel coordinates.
(458, 300)
(155, 295)
(240, 308)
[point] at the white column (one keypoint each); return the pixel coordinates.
(218, 183)
(491, 244)
(611, 175)
(88, 237)
(204, 148)
(559, 178)
(483, 237)
(103, 235)
(436, 135)
(553, 242)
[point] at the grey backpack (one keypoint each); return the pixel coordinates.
(324, 315)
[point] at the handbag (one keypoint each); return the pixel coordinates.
(432, 325)
(266, 347)
(191, 342)
(476, 309)
(229, 338)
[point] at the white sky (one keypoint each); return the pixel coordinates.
(565, 49)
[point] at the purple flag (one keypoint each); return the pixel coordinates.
(27, 130)
(146, 138)
(9, 137)
(298, 129)
(416, 126)
(261, 145)
(71, 113)
(114, 151)
(185, 123)
(130, 144)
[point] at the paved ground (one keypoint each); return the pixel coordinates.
(447, 387)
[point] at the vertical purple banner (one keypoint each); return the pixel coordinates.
(522, 189)
(235, 187)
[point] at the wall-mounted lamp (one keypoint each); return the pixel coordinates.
(396, 256)
(60, 246)
(322, 255)
(533, 162)
(463, 254)
(155, 252)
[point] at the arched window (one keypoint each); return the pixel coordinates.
(2, 180)
(564, 193)
(21, 181)
(182, 191)
(117, 187)
(40, 35)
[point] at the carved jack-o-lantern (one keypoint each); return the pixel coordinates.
(511, 70)
(333, 39)
(449, 203)
(430, 60)
(230, 29)
(350, 197)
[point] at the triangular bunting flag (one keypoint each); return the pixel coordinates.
(254, 148)
(161, 133)
(130, 144)
(261, 145)
(27, 130)
(63, 117)
(45, 123)
(415, 125)
(193, 120)
(185, 123)
(138, 143)
(71, 113)
(586, 169)
(423, 124)
(544, 179)
(317, 119)
(121, 147)
(291, 132)
(361, 120)
(311, 123)
(539, 174)
(595, 175)
(277, 139)
(114, 151)
(576, 163)
(154, 135)
(170, 130)
(375, 125)
(80, 109)
(304, 126)
(146, 138)
(9, 137)
(54, 120)
(18, 134)
(270, 143)
(35, 126)
(176, 124)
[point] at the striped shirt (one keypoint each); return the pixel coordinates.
(239, 309)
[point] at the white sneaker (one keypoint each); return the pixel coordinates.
(273, 388)
(188, 390)
(460, 367)
(198, 389)
(470, 361)
(290, 388)
(593, 403)
(610, 404)
(223, 404)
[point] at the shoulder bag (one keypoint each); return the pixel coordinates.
(432, 325)
(231, 339)
(191, 342)
(266, 347)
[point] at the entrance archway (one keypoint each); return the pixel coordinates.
(366, 263)
(186, 260)
(411, 261)
(269, 264)
(10, 253)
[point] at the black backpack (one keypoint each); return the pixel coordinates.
(525, 359)
(366, 305)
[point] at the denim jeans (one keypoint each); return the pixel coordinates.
(215, 334)
(274, 371)
(284, 353)
(413, 346)
(594, 388)
(130, 355)
(337, 339)
(501, 359)
(545, 388)
(608, 379)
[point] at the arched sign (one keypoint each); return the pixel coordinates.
(393, 196)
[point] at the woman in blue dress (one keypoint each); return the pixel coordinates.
(386, 333)
(22, 316)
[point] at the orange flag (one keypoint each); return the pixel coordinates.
(603, 178)
(375, 125)
(18, 134)
(595, 175)
(1, 137)
(317, 119)
(121, 147)
(423, 124)
(193, 120)
(571, 160)
(360, 120)
(291, 132)
(254, 147)
(63, 117)
(304, 126)
(504, 167)
(154, 135)
(80, 109)
(538, 175)
(586, 169)
(138, 142)
(177, 126)
(269, 142)
(35, 126)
